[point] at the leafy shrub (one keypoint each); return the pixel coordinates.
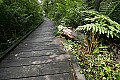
(17, 18)
(65, 11)
(95, 59)
(73, 19)
(101, 24)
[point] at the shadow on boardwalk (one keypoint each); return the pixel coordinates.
(38, 57)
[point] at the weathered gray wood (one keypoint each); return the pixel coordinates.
(64, 76)
(33, 60)
(34, 70)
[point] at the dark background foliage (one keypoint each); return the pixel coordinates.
(17, 17)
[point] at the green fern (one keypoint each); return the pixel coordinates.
(100, 24)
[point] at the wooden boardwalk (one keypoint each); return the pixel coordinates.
(38, 57)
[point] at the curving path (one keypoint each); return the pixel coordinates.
(38, 57)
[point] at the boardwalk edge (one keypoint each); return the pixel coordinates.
(12, 47)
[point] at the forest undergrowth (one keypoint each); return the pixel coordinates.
(17, 18)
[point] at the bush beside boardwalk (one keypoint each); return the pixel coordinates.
(16, 19)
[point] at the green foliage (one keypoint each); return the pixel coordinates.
(100, 24)
(65, 11)
(17, 18)
(73, 18)
(98, 65)
(88, 4)
(95, 59)
(1, 1)
(111, 8)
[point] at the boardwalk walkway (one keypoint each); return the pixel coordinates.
(38, 57)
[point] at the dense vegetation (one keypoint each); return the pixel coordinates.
(95, 25)
(111, 8)
(17, 17)
(96, 44)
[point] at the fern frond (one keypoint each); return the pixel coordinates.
(100, 24)
(86, 27)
